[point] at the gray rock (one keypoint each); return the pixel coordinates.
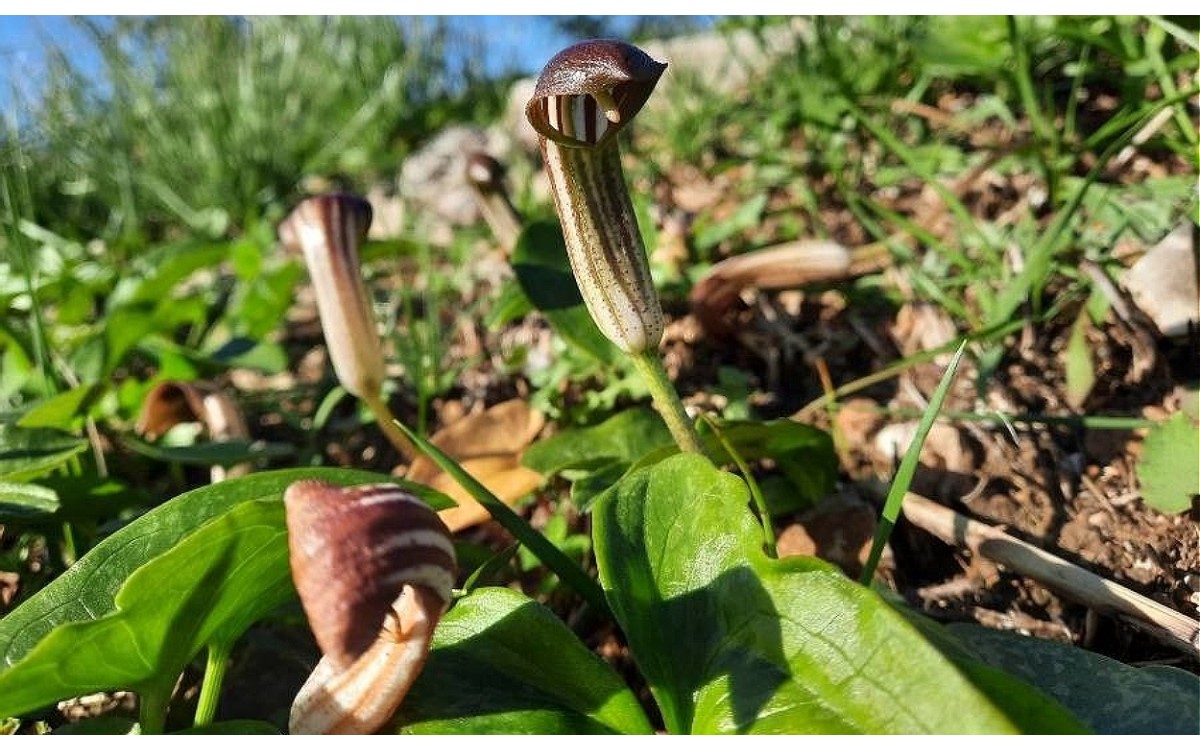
(1163, 282)
(433, 184)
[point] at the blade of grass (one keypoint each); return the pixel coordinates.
(1083, 421)
(18, 207)
(894, 369)
(552, 557)
(908, 467)
(1039, 262)
(1154, 41)
(939, 289)
(1023, 73)
(493, 564)
(889, 141)
(1182, 35)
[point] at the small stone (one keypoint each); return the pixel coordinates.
(1163, 282)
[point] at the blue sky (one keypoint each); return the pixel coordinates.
(22, 39)
(523, 42)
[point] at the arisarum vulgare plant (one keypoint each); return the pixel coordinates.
(374, 567)
(584, 97)
(485, 175)
(328, 229)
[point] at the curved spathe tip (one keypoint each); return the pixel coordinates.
(591, 90)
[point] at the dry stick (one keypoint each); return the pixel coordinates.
(1163, 623)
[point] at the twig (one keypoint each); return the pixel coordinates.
(1165, 624)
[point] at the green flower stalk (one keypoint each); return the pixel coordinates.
(584, 97)
(328, 229)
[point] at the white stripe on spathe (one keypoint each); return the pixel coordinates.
(578, 108)
(435, 577)
(376, 494)
(414, 538)
(579, 117)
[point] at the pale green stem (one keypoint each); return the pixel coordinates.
(760, 502)
(210, 688)
(69, 553)
(387, 423)
(667, 402)
(152, 706)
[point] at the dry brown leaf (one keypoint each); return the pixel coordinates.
(506, 428)
(694, 192)
(173, 402)
(856, 421)
(10, 584)
(488, 445)
(1164, 283)
(504, 476)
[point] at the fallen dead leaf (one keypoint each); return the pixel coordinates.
(488, 445)
(855, 422)
(506, 428)
(945, 448)
(173, 402)
(503, 475)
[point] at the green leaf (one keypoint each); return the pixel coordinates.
(732, 641)
(600, 455)
(63, 411)
(1080, 373)
(161, 268)
(954, 47)
(263, 301)
(264, 356)
(1168, 469)
(92, 497)
(224, 453)
(639, 437)
(233, 726)
(624, 438)
(510, 305)
(27, 453)
(502, 663)
(16, 366)
(1112, 697)
(802, 453)
(209, 586)
(87, 590)
(124, 328)
(540, 263)
(26, 502)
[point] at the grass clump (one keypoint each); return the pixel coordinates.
(208, 124)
